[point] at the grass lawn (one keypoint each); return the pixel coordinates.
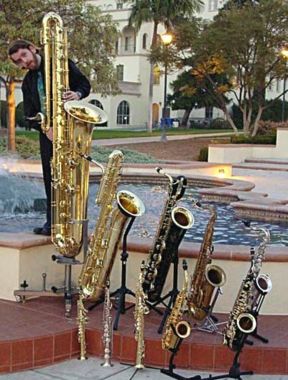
(114, 134)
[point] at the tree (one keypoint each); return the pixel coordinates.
(247, 41)
(91, 39)
(189, 94)
(165, 12)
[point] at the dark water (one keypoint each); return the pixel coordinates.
(17, 196)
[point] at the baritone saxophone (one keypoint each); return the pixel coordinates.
(71, 141)
(108, 230)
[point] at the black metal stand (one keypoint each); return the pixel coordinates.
(170, 371)
(120, 293)
(234, 371)
(172, 294)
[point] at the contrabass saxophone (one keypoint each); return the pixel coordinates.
(175, 221)
(242, 318)
(71, 140)
(109, 228)
(206, 276)
(176, 328)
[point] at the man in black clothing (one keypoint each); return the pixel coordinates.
(27, 56)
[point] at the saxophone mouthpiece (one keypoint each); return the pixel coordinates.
(158, 169)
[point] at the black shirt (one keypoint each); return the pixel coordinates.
(77, 82)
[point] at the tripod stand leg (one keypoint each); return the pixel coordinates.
(68, 291)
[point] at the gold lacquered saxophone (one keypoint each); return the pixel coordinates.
(71, 140)
(175, 221)
(206, 276)
(108, 230)
(140, 310)
(107, 327)
(176, 328)
(242, 319)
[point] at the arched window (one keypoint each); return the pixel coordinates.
(144, 41)
(123, 113)
(156, 74)
(96, 103)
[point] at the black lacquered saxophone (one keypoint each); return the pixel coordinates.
(174, 223)
(206, 276)
(254, 287)
(176, 328)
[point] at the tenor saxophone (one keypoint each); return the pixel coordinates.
(242, 319)
(176, 328)
(108, 230)
(175, 221)
(71, 140)
(206, 276)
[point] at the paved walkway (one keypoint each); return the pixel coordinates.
(92, 369)
(139, 140)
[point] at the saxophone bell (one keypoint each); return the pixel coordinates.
(183, 329)
(85, 112)
(129, 204)
(215, 275)
(246, 323)
(182, 217)
(263, 284)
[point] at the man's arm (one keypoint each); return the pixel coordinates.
(29, 107)
(78, 82)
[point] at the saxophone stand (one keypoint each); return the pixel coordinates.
(121, 292)
(234, 371)
(210, 323)
(172, 366)
(171, 295)
(68, 262)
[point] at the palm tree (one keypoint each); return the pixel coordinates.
(164, 12)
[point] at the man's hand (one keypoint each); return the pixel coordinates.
(49, 134)
(71, 95)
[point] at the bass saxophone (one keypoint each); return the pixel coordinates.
(206, 276)
(174, 223)
(109, 228)
(71, 140)
(242, 319)
(176, 328)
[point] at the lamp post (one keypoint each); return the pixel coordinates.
(284, 53)
(166, 39)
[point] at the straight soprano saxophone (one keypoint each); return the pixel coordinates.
(107, 327)
(140, 310)
(82, 321)
(176, 328)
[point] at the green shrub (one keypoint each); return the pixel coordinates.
(259, 139)
(25, 148)
(203, 154)
(101, 154)
(219, 123)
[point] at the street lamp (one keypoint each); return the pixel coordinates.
(284, 53)
(166, 39)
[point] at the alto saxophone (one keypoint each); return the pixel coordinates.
(242, 319)
(174, 223)
(109, 228)
(71, 140)
(140, 310)
(107, 327)
(206, 276)
(176, 328)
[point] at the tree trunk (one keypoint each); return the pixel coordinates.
(185, 118)
(256, 122)
(11, 115)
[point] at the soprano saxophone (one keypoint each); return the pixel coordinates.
(140, 310)
(107, 327)
(206, 276)
(242, 319)
(82, 321)
(176, 328)
(108, 230)
(174, 223)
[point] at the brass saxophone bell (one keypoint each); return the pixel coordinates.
(85, 112)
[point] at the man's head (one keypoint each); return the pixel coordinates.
(24, 54)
